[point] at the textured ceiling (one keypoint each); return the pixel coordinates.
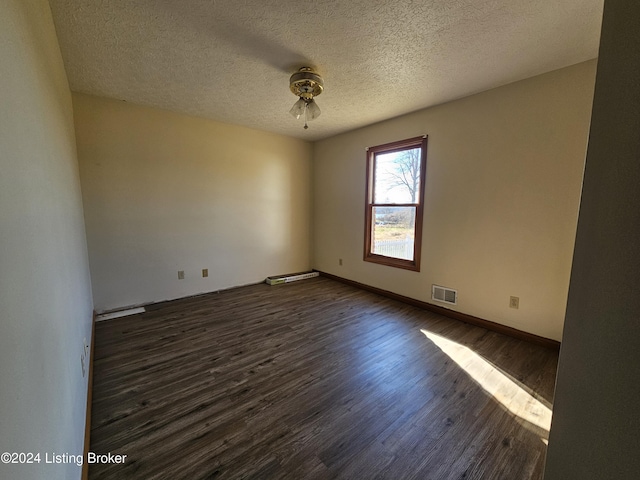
(230, 60)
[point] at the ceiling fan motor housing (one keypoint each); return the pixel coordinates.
(306, 84)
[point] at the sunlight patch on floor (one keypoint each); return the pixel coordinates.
(502, 388)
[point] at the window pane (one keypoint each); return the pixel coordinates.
(397, 177)
(393, 231)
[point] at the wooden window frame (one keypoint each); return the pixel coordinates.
(372, 152)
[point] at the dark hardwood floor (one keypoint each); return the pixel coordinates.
(315, 380)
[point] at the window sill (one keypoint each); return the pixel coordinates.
(393, 262)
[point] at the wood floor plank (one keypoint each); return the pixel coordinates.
(311, 380)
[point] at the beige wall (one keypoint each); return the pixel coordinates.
(504, 172)
(45, 293)
(165, 192)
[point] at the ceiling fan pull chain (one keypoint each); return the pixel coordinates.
(306, 107)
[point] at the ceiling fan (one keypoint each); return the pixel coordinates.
(306, 84)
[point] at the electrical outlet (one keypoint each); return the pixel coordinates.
(205, 272)
(180, 274)
(339, 261)
(514, 302)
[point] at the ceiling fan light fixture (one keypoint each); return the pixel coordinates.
(313, 110)
(306, 84)
(298, 108)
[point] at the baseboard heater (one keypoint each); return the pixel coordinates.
(291, 277)
(119, 313)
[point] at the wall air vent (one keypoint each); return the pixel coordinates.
(444, 294)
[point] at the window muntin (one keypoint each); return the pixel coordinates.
(394, 204)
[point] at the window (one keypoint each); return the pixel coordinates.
(396, 175)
